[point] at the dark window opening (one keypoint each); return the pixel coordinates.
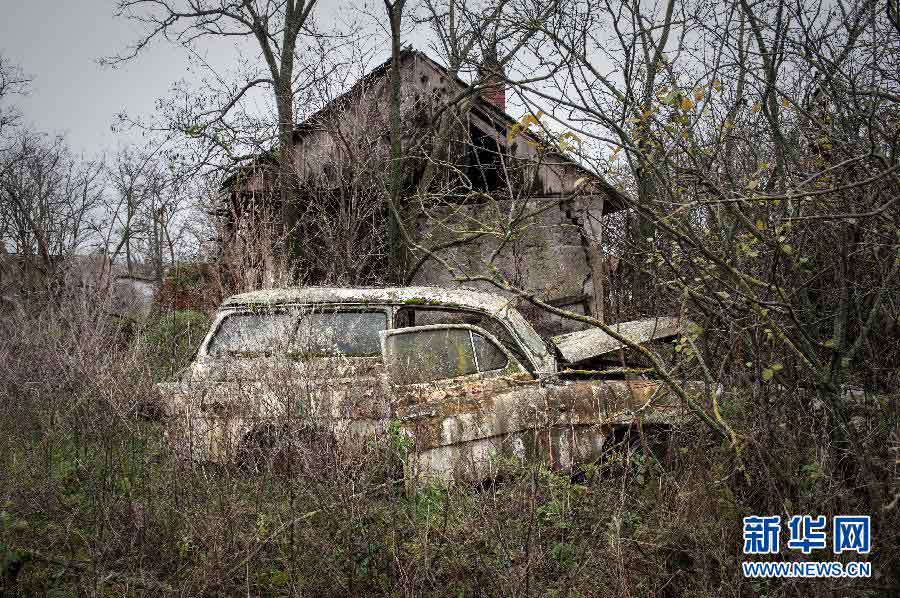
(484, 166)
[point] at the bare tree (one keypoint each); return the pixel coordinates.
(277, 28)
(49, 198)
(147, 213)
(12, 83)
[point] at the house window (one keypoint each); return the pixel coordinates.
(484, 165)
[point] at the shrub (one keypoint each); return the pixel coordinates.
(173, 339)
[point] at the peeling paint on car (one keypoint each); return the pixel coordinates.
(460, 426)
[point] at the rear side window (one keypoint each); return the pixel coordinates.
(340, 333)
(353, 333)
(254, 334)
(429, 355)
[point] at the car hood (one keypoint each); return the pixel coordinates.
(588, 344)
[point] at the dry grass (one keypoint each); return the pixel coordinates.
(92, 504)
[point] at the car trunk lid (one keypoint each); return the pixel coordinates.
(576, 347)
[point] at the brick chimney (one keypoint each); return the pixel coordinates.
(494, 80)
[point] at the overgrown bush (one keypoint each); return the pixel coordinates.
(173, 339)
(92, 503)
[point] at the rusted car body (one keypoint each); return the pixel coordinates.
(462, 373)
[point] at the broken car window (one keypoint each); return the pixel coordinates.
(253, 333)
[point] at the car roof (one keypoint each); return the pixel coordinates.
(435, 296)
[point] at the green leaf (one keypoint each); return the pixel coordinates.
(776, 367)
(694, 329)
(767, 374)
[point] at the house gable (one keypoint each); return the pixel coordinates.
(552, 251)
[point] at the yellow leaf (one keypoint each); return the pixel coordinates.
(687, 104)
(581, 181)
(756, 108)
(760, 225)
(753, 184)
(717, 85)
(699, 93)
(728, 125)
(564, 144)
(616, 151)
(530, 119)
(785, 103)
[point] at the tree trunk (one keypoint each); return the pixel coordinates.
(397, 250)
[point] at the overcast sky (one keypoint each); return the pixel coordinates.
(58, 43)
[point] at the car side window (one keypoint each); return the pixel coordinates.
(352, 333)
(488, 356)
(253, 333)
(428, 355)
(408, 316)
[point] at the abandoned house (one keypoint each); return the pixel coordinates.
(474, 175)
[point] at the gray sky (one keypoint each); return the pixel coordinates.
(58, 43)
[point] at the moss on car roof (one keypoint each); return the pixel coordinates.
(393, 295)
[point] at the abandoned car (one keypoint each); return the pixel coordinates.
(459, 373)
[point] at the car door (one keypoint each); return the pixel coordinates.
(463, 397)
(270, 370)
(338, 348)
